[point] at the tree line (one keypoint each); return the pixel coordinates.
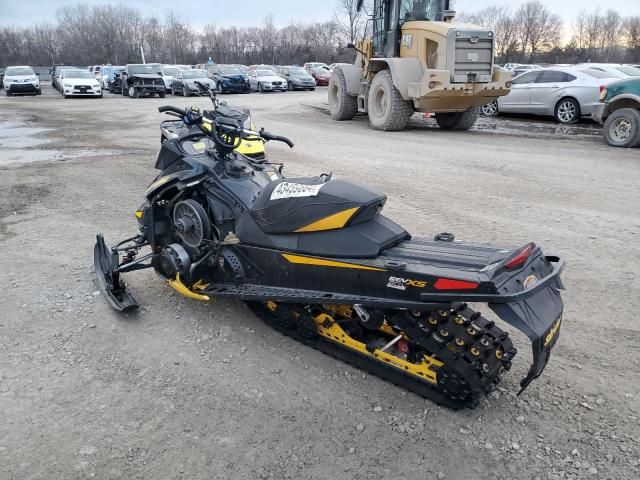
(86, 35)
(532, 33)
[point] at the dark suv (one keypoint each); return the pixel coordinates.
(229, 78)
(140, 79)
(297, 78)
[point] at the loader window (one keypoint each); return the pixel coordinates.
(417, 10)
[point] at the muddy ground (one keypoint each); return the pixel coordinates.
(188, 390)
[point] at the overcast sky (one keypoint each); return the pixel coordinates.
(251, 12)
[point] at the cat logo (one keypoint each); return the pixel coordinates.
(552, 333)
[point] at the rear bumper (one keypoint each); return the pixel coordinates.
(536, 311)
(598, 112)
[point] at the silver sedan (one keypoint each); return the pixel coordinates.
(566, 93)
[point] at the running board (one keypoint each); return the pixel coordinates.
(250, 292)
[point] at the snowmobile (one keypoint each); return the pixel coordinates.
(317, 260)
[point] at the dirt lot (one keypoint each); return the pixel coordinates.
(187, 390)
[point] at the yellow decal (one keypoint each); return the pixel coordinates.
(337, 220)
(139, 214)
(552, 333)
(415, 283)
(199, 146)
(321, 262)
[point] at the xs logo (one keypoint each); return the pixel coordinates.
(400, 283)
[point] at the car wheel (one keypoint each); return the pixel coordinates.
(101, 95)
(185, 91)
(568, 110)
(290, 86)
(39, 91)
(162, 94)
(132, 92)
(490, 109)
(260, 87)
(622, 128)
(8, 93)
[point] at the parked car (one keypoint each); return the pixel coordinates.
(108, 75)
(243, 68)
(321, 75)
(141, 79)
(297, 78)
(614, 70)
(184, 83)
(74, 83)
(266, 81)
(169, 72)
(619, 110)
(115, 85)
(21, 79)
(312, 65)
(1, 77)
(511, 66)
(567, 93)
(96, 70)
(229, 78)
(56, 70)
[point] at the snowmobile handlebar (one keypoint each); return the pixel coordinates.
(171, 109)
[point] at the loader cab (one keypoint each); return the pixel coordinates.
(389, 16)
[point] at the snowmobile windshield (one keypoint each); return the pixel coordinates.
(143, 69)
(418, 10)
(189, 74)
(77, 74)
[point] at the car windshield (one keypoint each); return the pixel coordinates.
(77, 74)
(417, 10)
(226, 70)
(297, 71)
(194, 74)
(321, 71)
(170, 71)
(632, 71)
(18, 71)
(264, 73)
(140, 69)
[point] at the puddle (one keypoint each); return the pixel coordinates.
(20, 145)
(505, 126)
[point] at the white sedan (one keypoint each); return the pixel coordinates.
(79, 83)
(566, 93)
(266, 81)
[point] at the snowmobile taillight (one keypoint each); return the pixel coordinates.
(449, 284)
(521, 257)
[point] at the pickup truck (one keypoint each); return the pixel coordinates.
(619, 111)
(141, 80)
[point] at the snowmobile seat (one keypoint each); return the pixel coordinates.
(316, 204)
(360, 240)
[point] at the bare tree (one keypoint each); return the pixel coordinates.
(350, 20)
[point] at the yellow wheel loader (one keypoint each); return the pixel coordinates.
(417, 60)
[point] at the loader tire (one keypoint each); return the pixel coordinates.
(458, 120)
(388, 111)
(341, 105)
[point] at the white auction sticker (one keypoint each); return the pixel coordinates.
(293, 190)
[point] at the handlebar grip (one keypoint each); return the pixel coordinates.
(169, 108)
(269, 136)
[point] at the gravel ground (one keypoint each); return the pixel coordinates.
(187, 390)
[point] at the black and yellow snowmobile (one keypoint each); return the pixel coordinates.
(317, 260)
